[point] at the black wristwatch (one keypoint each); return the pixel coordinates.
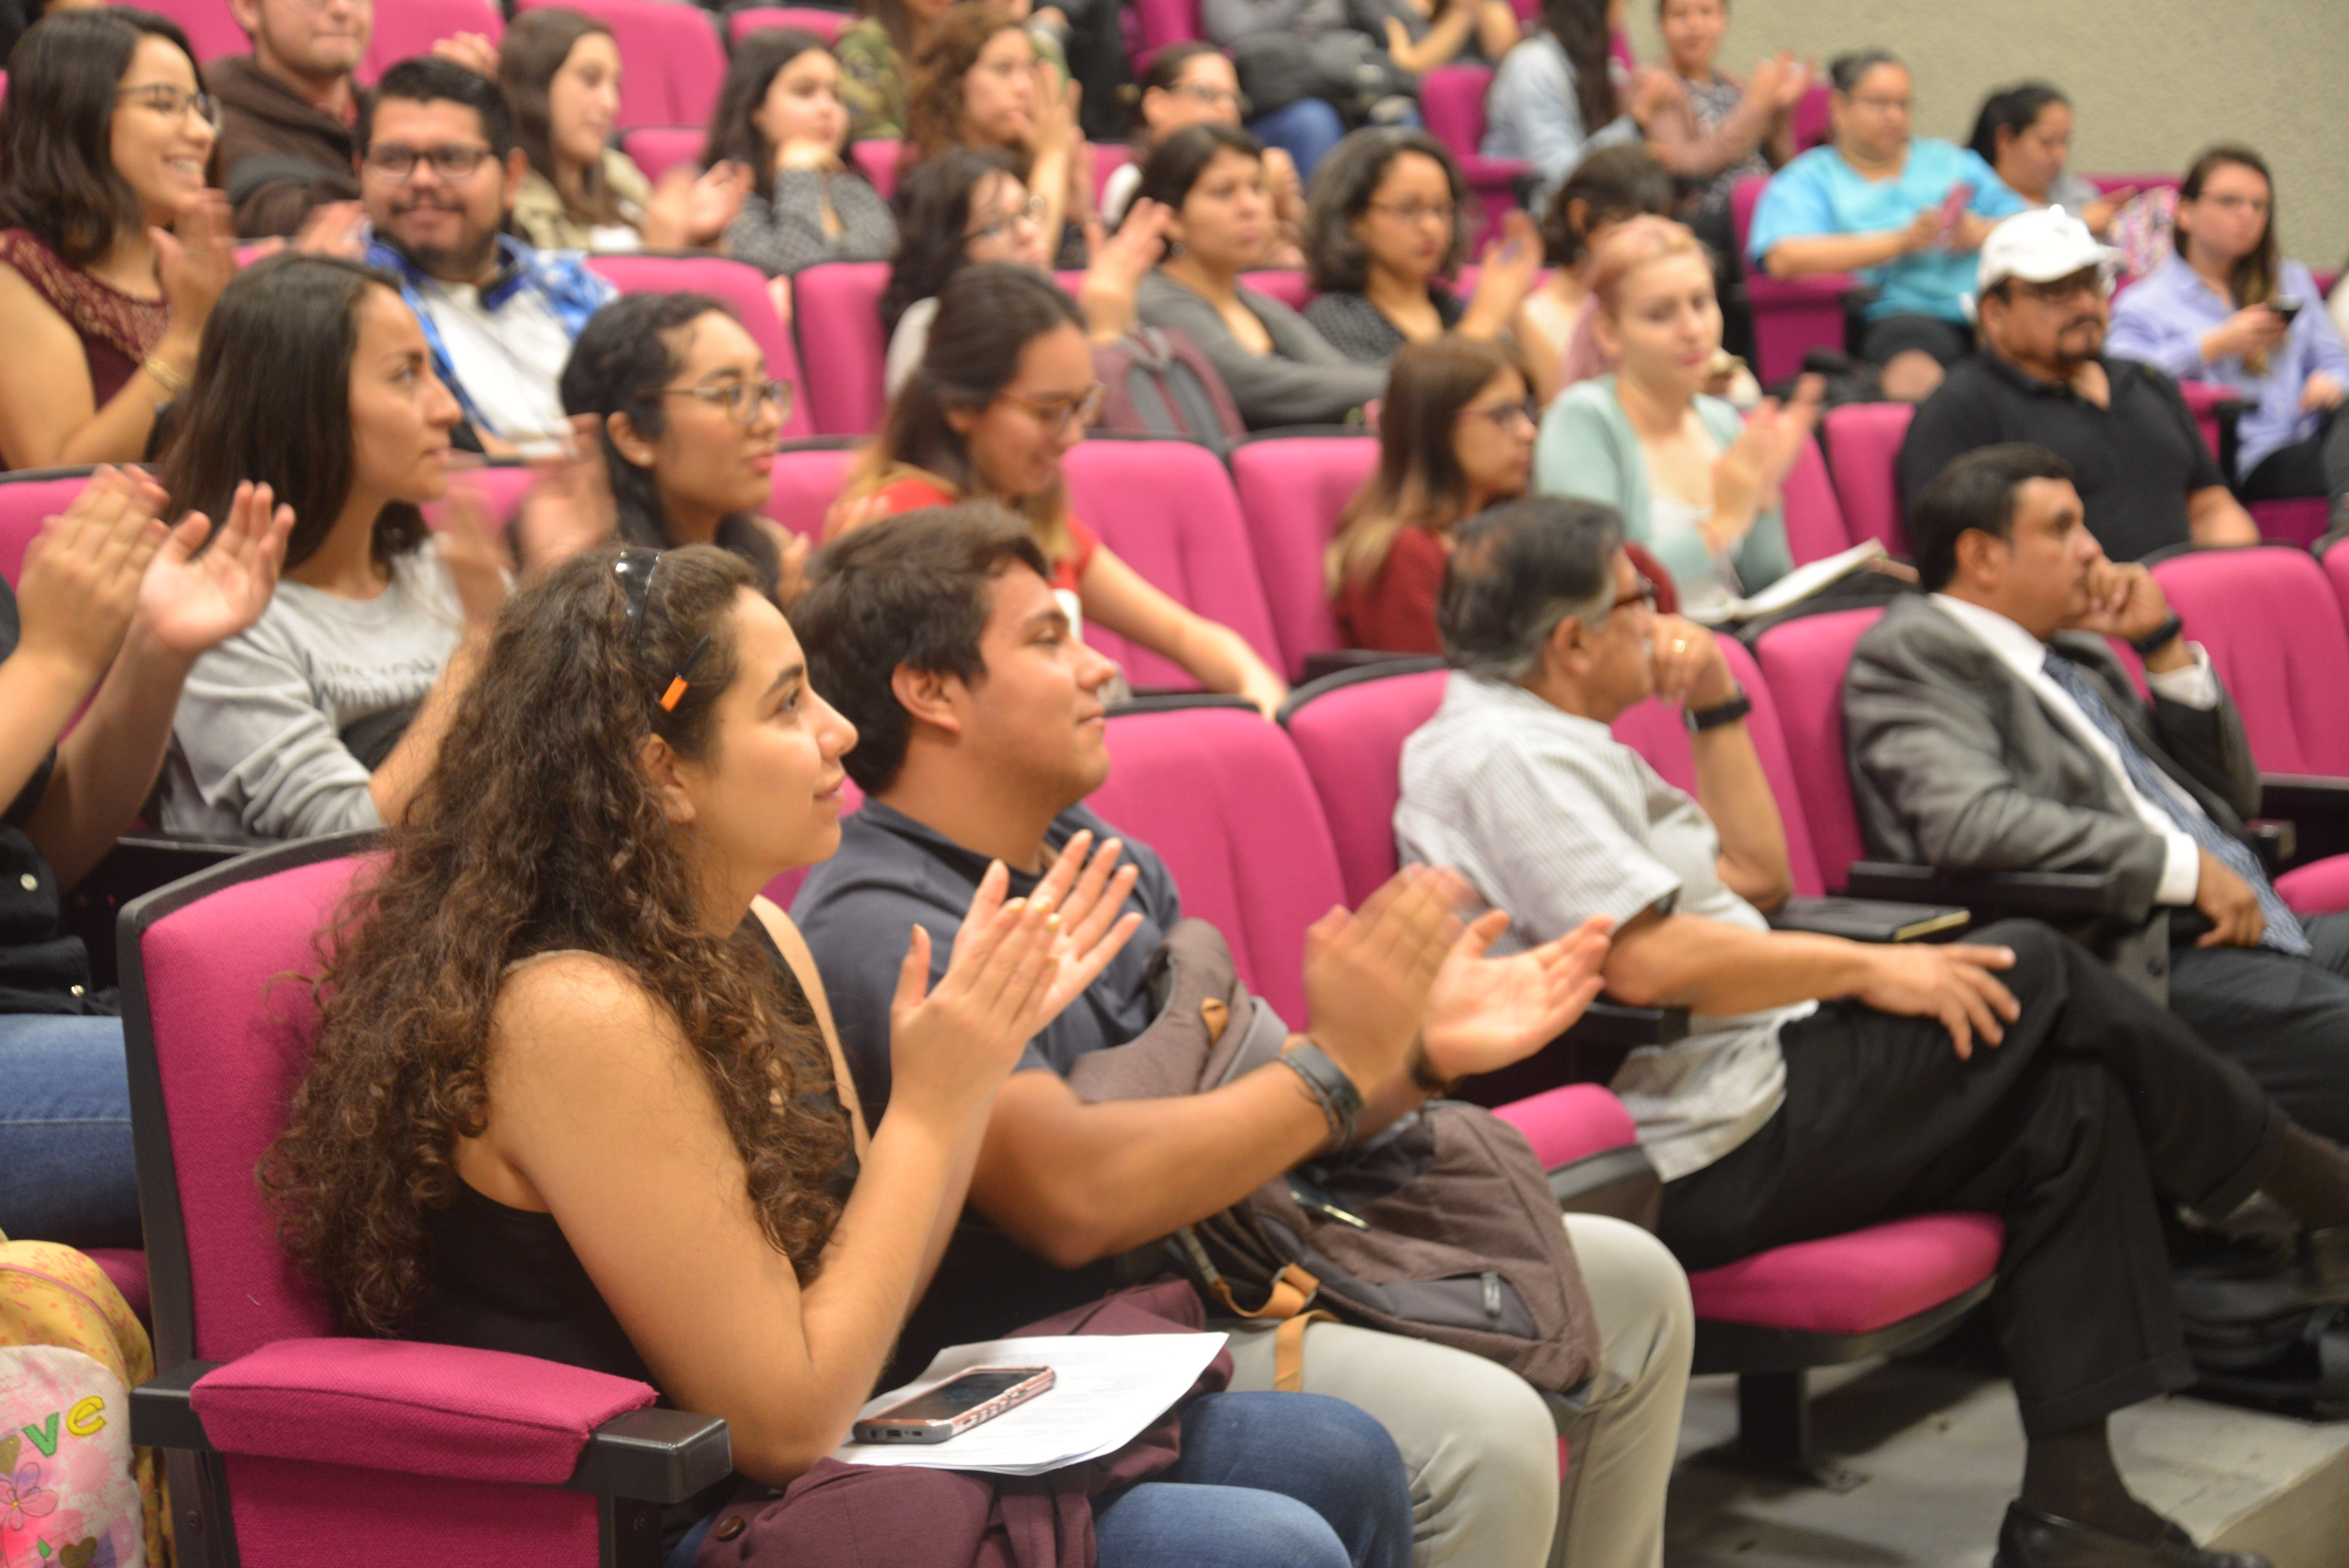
(2160, 637)
(1327, 1085)
(1701, 719)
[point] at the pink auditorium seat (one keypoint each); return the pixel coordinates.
(1159, 22)
(125, 1269)
(1816, 525)
(879, 158)
(1804, 662)
(1863, 442)
(825, 24)
(675, 63)
(210, 24)
(2272, 624)
(807, 477)
(737, 285)
(370, 1451)
(1451, 100)
(26, 498)
(1167, 508)
(1107, 158)
(657, 148)
(1791, 315)
(837, 310)
(1291, 286)
(1291, 489)
(410, 27)
(1811, 116)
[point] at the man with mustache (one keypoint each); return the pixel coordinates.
(438, 167)
(2145, 475)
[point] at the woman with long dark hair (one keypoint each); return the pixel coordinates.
(2024, 132)
(324, 714)
(577, 1092)
(111, 249)
(780, 116)
(561, 72)
(1553, 99)
(2231, 307)
(1192, 83)
(979, 81)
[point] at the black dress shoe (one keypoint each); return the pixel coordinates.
(2030, 1539)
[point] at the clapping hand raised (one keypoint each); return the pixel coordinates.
(205, 585)
(1487, 1013)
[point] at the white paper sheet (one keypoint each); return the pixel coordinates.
(1108, 1389)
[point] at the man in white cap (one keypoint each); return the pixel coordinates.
(2041, 303)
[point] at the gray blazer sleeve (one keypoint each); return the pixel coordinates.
(1303, 381)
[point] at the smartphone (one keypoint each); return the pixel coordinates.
(955, 1407)
(2286, 306)
(1953, 206)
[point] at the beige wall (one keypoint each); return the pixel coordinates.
(2152, 80)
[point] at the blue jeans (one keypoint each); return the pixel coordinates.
(66, 1169)
(1266, 1480)
(1306, 130)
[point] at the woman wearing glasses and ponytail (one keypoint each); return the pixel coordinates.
(108, 270)
(1004, 389)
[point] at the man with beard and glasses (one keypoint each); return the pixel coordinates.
(289, 110)
(2145, 475)
(438, 167)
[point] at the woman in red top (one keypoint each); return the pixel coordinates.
(1004, 389)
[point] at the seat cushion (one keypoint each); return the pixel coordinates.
(1571, 1123)
(1857, 1282)
(126, 1268)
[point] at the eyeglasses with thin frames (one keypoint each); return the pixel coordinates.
(635, 570)
(1508, 415)
(1644, 593)
(741, 399)
(452, 161)
(1031, 212)
(1416, 211)
(1055, 414)
(171, 102)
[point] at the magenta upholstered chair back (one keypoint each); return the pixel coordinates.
(1864, 450)
(210, 24)
(1657, 732)
(837, 309)
(1350, 738)
(804, 482)
(675, 63)
(1109, 157)
(1811, 117)
(1744, 196)
(1289, 285)
(825, 24)
(880, 159)
(1291, 491)
(1164, 22)
(410, 27)
(2336, 569)
(1804, 662)
(501, 486)
(1816, 526)
(657, 149)
(742, 289)
(2273, 628)
(224, 982)
(1220, 794)
(26, 501)
(1452, 101)
(1166, 507)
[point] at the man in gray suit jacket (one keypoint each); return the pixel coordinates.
(1992, 729)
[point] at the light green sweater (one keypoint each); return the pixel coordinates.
(1588, 450)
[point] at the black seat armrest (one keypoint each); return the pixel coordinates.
(2317, 807)
(1588, 1052)
(2058, 897)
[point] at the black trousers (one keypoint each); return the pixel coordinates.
(2284, 1020)
(2096, 1098)
(2318, 465)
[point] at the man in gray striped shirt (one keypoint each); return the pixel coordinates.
(1818, 1089)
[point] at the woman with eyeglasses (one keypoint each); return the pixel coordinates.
(325, 714)
(978, 82)
(1004, 390)
(677, 418)
(1697, 485)
(112, 250)
(1383, 238)
(1189, 84)
(780, 117)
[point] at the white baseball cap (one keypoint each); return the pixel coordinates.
(2039, 247)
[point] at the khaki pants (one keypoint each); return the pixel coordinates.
(1479, 1442)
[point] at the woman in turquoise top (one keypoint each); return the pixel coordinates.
(1697, 485)
(1874, 202)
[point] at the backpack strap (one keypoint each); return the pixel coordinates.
(1293, 1290)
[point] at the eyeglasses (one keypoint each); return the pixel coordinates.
(171, 102)
(1884, 104)
(1055, 414)
(2230, 203)
(1643, 593)
(398, 164)
(635, 571)
(1031, 212)
(1214, 97)
(1506, 415)
(741, 399)
(2063, 291)
(1416, 211)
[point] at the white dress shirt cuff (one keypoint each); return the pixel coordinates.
(2194, 686)
(2181, 876)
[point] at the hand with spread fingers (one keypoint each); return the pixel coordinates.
(205, 585)
(84, 573)
(1369, 974)
(1954, 983)
(952, 1045)
(1089, 889)
(1486, 1013)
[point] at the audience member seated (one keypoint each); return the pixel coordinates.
(877, 52)
(2228, 308)
(1611, 186)
(1005, 388)
(110, 602)
(1692, 480)
(1190, 84)
(1422, 35)
(2042, 289)
(684, 417)
(561, 73)
(101, 307)
(1280, 371)
(780, 118)
(287, 110)
(1553, 100)
(1710, 129)
(441, 168)
(324, 714)
(1306, 127)
(2024, 133)
(980, 719)
(1907, 214)
(1456, 435)
(1827, 1085)
(633, 1021)
(978, 82)
(1992, 729)
(1383, 238)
